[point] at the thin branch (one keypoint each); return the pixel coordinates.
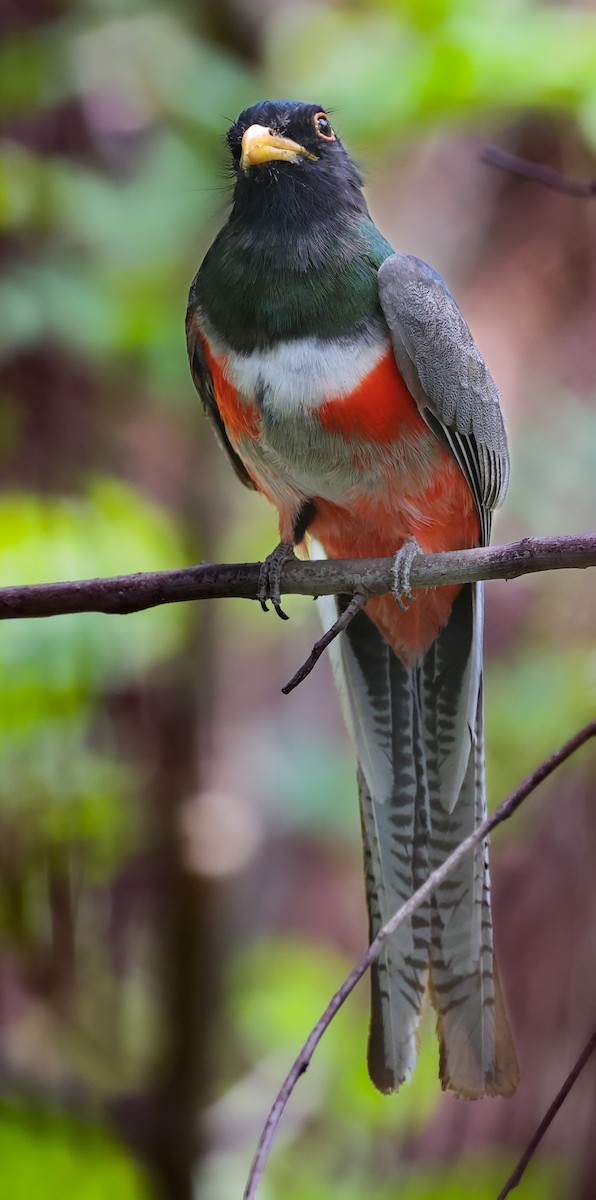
(584, 188)
(549, 1117)
(502, 813)
(322, 577)
(358, 601)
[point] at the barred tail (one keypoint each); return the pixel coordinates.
(419, 741)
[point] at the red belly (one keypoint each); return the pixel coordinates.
(447, 520)
(441, 515)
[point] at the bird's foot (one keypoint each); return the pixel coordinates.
(270, 578)
(400, 571)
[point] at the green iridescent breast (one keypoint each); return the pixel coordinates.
(257, 294)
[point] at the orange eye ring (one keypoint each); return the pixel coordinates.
(323, 127)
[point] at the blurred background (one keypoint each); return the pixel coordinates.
(180, 877)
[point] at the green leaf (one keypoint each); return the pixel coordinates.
(278, 991)
(110, 531)
(392, 70)
(52, 1158)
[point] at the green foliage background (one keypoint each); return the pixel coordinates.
(112, 184)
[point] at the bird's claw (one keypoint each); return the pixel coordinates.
(269, 587)
(400, 572)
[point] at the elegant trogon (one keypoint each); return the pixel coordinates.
(345, 386)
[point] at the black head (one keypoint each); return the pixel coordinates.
(283, 150)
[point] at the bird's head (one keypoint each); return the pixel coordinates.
(286, 150)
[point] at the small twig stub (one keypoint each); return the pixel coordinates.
(538, 173)
(357, 602)
(548, 1118)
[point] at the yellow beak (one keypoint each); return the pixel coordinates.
(260, 145)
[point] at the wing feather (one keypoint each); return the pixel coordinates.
(447, 376)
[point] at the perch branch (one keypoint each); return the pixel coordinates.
(549, 1117)
(321, 577)
(538, 173)
(502, 813)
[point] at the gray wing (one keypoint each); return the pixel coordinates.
(203, 382)
(447, 376)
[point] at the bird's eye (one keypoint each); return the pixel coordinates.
(323, 128)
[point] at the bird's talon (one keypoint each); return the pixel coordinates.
(400, 572)
(270, 578)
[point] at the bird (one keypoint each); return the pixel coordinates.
(344, 385)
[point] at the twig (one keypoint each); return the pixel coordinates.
(549, 1117)
(357, 602)
(538, 173)
(502, 813)
(322, 577)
